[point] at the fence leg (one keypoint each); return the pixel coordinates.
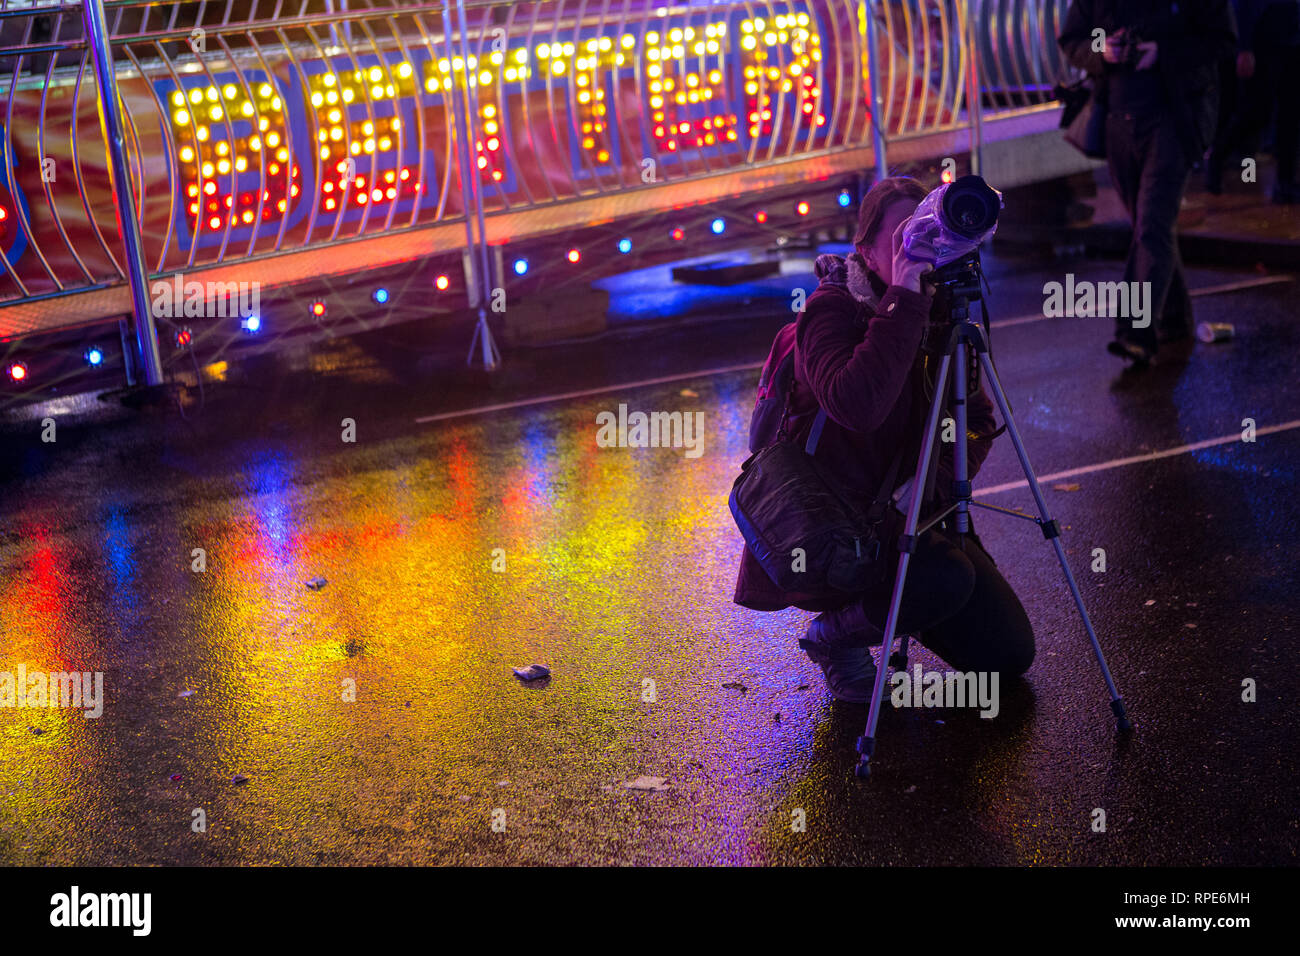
(873, 87)
(149, 361)
(471, 197)
(974, 97)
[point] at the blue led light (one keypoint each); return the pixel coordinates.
(717, 226)
(625, 245)
(381, 296)
(521, 266)
(252, 324)
(845, 198)
(94, 356)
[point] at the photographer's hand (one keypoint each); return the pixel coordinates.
(908, 271)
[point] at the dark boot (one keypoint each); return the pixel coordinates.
(839, 643)
(849, 671)
(846, 627)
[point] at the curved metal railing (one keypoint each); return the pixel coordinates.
(266, 127)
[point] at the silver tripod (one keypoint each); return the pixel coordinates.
(961, 280)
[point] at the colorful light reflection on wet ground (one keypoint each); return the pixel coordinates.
(619, 566)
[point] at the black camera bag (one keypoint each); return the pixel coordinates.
(782, 502)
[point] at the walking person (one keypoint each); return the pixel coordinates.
(1268, 64)
(1155, 72)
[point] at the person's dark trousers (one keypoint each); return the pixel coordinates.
(959, 606)
(1223, 125)
(1149, 170)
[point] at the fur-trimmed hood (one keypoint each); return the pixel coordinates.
(850, 272)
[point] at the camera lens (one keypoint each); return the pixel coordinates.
(970, 207)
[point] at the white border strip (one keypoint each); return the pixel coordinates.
(722, 370)
(1207, 290)
(603, 390)
(1136, 459)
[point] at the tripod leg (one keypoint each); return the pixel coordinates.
(1052, 531)
(906, 543)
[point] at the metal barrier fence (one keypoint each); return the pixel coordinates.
(238, 132)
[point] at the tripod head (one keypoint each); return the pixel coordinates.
(962, 277)
(957, 285)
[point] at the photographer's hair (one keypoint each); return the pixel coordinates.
(878, 199)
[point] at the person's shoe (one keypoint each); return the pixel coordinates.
(849, 671)
(1131, 352)
(845, 627)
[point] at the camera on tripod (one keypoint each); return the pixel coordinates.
(947, 229)
(950, 225)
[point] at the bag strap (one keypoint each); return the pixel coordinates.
(877, 509)
(815, 435)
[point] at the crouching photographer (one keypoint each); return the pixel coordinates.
(855, 353)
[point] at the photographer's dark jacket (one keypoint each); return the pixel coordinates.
(1191, 37)
(858, 355)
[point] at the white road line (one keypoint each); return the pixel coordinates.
(523, 403)
(544, 399)
(1206, 290)
(1136, 459)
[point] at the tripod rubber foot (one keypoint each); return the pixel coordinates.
(863, 770)
(898, 661)
(1117, 707)
(866, 746)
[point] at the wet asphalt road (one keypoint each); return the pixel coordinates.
(619, 568)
